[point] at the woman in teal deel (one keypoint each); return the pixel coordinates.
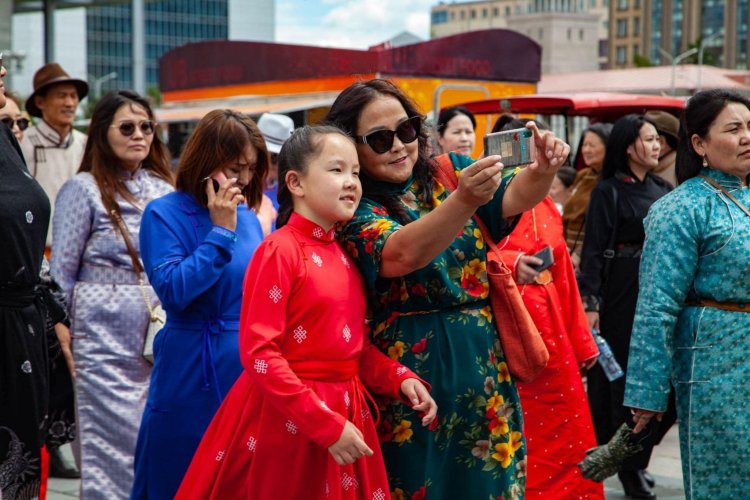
(424, 263)
(692, 326)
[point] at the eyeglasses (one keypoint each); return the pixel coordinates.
(381, 141)
(22, 123)
(127, 128)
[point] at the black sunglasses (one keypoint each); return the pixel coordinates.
(381, 141)
(22, 123)
(127, 127)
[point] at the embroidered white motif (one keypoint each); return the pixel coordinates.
(290, 427)
(261, 366)
(26, 366)
(275, 294)
(220, 455)
(400, 370)
(347, 400)
(29, 217)
(316, 258)
(345, 260)
(300, 334)
(365, 413)
(348, 481)
(251, 443)
(347, 333)
(378, 494)
(318, 233)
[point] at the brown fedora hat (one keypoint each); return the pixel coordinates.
(48, 75)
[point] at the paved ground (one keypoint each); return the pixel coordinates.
(665, 467)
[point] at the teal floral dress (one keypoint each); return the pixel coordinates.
(437, 321)
(697, 247)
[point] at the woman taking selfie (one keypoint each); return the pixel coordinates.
(95, 233)
(424, 263)
(196, 244)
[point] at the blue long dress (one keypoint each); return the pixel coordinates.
(197, 270)
(697, 244)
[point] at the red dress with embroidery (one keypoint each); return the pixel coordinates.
(307, 362)
(557, 421)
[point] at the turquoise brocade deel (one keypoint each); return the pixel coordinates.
(697, 247)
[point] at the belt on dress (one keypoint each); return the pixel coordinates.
(339, 371)
(18, 295)
(725, 306)
(107, 274)
(208, 328)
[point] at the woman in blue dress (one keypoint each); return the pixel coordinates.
(196, 244)
(692, 327)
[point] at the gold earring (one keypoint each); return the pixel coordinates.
(705, 162)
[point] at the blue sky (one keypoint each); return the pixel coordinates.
(354, 24)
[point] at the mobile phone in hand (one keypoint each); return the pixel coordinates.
(545, 255)
(217, 178)
(516, 147)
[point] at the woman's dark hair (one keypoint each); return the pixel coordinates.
(220, 138)
(303, 146)
(567, 175)
(450, 113)
(701, 111)
(602, 129)
(345, 113)
(624, 133)
(501, 121)
(100, 159)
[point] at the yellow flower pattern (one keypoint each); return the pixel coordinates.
(402, 432)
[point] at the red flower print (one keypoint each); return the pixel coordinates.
(419, 346)
(473, 285)
(385, 431)
(419, 494)
(434, 424)
(419, 289)
(379, 211)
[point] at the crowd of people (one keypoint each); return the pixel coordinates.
(323, 309)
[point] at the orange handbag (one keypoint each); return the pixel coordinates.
(522, 344)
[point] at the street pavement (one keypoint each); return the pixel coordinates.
(665, 467)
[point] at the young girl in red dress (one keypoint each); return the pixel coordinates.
(299, 422)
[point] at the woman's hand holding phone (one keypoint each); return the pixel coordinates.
(222, 203)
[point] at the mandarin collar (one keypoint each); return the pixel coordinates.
(728, 181)
(310, 228)
(53, 136)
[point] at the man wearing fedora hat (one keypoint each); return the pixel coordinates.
(276, 129)
(53, 149)
(668, 127)
(53, 152)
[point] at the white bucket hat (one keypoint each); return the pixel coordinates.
(276, 129)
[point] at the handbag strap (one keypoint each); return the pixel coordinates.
(448, 177)
(726, 193)
(136, 261)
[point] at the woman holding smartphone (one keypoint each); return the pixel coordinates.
(196, 244)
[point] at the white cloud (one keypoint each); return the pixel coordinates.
(350, 24)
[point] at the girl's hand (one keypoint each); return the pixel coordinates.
(63, 336)
(222, 205)
(479, 181)
(350, 446)
(588, 365)
(526, 274)
(551, 152)
(643, 417)
(420, 398)
(593, 319)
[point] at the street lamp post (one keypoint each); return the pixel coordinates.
(676, 60)
(98, 82)
(701, 47)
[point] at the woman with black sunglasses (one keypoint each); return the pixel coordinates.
(12, 117)
(95, 225)
(424, 262)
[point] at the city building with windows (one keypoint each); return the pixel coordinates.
(572, 33)
(717, 29)
(96, 42)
